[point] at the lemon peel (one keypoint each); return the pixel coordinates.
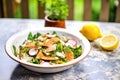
(91, 31)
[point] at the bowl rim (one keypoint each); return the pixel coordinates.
(84, 54)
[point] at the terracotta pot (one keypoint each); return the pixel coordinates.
(54, 23)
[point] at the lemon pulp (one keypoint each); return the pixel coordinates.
(109, 42)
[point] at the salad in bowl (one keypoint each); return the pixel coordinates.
(47, 50)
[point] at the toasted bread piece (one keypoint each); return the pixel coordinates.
(69, 55)
(40, 55)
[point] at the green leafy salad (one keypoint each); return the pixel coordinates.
(48, 49)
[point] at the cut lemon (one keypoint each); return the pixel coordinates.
(109, 42)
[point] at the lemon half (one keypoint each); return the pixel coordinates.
(109, 42)
(91, 31)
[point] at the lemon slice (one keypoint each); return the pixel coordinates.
(109, 42)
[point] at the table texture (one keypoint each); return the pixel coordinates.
(98, 65)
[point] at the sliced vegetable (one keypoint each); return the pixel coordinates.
(45, 63)
(71, 42)
(33, 51)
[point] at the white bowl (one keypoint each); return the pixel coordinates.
(18, 38)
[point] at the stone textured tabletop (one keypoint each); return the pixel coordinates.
(98, 65)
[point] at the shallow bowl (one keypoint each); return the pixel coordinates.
(18, 38)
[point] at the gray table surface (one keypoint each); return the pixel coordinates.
(99, 64)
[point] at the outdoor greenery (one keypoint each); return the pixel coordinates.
(57, 9)
(78, 6)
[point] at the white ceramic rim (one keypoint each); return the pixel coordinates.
(80, 36)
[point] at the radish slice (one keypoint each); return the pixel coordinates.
(50, 36)
(71, 42)
(45, 63)
(33, 51)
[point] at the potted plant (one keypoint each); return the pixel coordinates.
(56, 12)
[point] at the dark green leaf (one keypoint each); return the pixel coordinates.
(67, 49)
(77, 51)
(36, 61)
(54, 33)
(15, 51)
(30, 36)
(36, 35)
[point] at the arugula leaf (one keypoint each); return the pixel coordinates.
(54, 32)
(67, 49)
(63, 59)
(20, 47)
(59, 47)
(77, 51)
(53, 53)
(30, 36)
(36, 35)
(15, 50)
(36, 61)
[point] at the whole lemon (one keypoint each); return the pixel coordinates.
(91, 31)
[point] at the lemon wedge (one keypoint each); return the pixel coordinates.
(109, 42)
(91, 31)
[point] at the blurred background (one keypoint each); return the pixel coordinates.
(78, 9)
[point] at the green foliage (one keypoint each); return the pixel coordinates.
(112, 11)
(78, 9)
(57, 9)
(96, 7)
(33, 12)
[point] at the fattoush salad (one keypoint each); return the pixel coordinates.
(48, 49)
